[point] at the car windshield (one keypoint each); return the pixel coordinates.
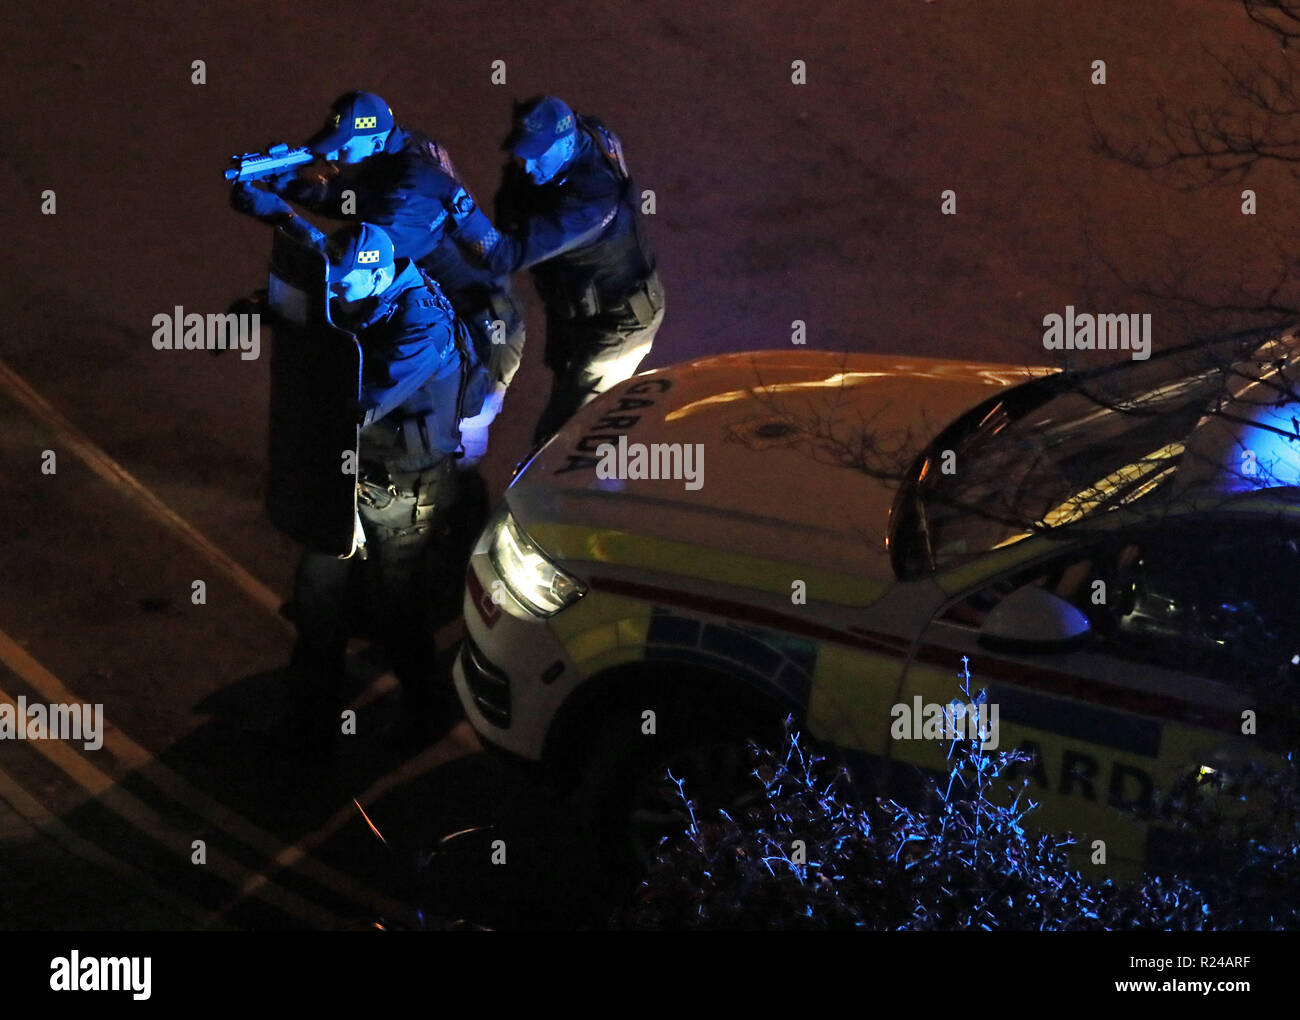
(1056, 455)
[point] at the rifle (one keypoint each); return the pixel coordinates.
(253, 165)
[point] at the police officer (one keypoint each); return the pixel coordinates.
(568, 209)
(420, 376)
(373, 170)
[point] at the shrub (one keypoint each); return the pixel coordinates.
(1248, 859)
(809, 857)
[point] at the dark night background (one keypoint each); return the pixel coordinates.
(775, 202)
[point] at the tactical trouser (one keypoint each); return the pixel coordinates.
(406, 585)
(591, 353)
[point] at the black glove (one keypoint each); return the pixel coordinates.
(246, 198)
(307, 181)
(277, 182)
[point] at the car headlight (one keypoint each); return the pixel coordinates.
(539, 585)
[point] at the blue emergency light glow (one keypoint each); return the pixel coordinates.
(1268, 455)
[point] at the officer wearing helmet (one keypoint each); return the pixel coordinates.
(420, 377)
(568, 210)
(371, 169)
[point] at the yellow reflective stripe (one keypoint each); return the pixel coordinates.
(850, 697)
(570, 541)
(1058, 813)
(601, 629)
(1066, 803)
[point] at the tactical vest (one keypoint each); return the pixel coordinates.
(620, 258)
(425, 428)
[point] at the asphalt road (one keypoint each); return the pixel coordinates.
(775, 202)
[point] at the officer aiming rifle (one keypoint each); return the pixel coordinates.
(370, 168)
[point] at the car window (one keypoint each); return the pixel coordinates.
(1215, 597)
(1073, 576)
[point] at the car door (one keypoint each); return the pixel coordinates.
(1190, 625)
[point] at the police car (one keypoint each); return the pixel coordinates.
(1113, 555)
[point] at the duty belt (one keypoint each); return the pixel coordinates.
(590, 302)
(372, 494)
(396, 491)
(402, 484)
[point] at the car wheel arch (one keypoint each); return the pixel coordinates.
(702, 695)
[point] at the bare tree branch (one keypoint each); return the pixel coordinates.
(1281, 17)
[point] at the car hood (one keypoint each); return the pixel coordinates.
(792, 462)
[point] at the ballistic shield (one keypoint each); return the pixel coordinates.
(315, 385)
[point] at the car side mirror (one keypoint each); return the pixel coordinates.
(1032, 619)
